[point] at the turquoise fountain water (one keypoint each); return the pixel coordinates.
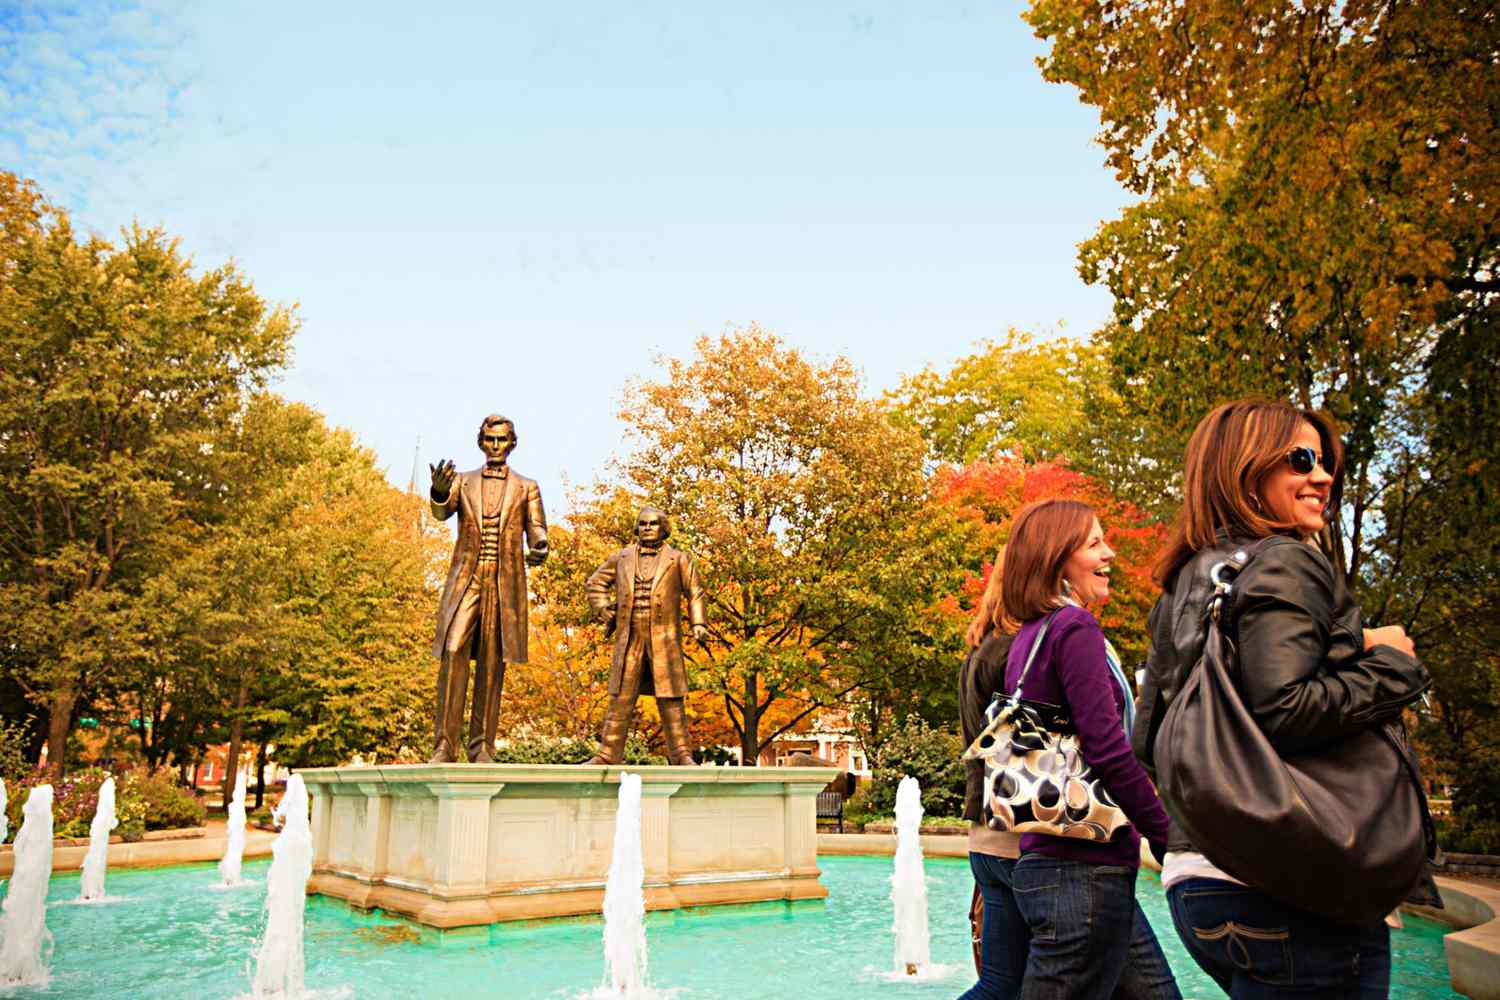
(174, 936)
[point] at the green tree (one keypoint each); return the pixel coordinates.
(322, 595)
(1044, 401)
(118, 366)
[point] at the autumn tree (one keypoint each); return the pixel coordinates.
(1043, 400)
(988, 494)
(118, 364)
(806, 508)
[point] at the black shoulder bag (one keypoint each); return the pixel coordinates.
(1342, 832)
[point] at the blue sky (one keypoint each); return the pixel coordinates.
(497, 206)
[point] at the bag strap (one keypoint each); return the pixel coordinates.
(1036, 644)
(1222, 573)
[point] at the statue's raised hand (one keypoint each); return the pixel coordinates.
(442, 478)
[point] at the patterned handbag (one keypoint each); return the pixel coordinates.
(1035, 779)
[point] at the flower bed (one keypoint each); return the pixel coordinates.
(142, 802)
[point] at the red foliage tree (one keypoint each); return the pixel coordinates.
(987, 495)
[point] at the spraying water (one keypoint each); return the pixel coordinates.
(96, 861)
(625, 902)
(909, 884)
(25, 944)
(234, 851)
(279, 962)
(4, 818)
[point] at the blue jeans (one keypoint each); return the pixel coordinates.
(1003, 937)
(1074, 913)
(1255, 947)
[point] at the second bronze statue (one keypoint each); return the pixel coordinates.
(649, 580)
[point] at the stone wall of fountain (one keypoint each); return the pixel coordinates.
(461, 844)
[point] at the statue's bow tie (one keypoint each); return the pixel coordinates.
(494, 473)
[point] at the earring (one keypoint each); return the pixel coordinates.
(1067, 588)
(1255, 502)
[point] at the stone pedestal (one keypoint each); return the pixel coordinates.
(452, 845)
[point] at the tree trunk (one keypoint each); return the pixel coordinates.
(59, 723)
(260, 776)
(36, 737)
(750, 723)
(236, 737)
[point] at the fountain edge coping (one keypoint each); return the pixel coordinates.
(565, 774)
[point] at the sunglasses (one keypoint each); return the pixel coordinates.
(1303, 460)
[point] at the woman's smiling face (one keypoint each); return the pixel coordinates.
(1087, 569)
(1299, 498)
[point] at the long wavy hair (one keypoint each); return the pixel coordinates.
(1231, 453)
(989, 613)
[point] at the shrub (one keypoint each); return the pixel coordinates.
(547, 750)
(166, 804)
(142, 802)
(857, 811)
(1463, 835)
(929, 755)
(13, 766)
(74, 800)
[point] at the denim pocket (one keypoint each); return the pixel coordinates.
(1260, 948)
(1036, 881)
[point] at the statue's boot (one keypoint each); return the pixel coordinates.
(674, 727)
(616, 728)
(442, 753)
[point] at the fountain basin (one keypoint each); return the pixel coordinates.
(454, 845)
(173, 936)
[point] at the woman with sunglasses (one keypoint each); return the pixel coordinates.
(1086, 936)
(1266, 474)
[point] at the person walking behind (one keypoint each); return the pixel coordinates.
(1089, 937)
(1003, 937)
(1259, 483)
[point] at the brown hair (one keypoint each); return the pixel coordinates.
(1231, 452)
(989, 613)
(1042, 537)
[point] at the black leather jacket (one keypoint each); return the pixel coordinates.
(1304, 672)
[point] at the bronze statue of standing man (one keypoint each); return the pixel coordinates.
(650, 579)
(482, 614)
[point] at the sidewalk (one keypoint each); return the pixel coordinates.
(208, 845)
(934, 845)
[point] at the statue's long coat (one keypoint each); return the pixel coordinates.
(675, 576)
(521, 514)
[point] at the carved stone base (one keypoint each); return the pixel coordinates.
(452, 845)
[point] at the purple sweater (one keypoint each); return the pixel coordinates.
(1071, 670)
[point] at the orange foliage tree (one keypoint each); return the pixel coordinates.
(987, 494)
